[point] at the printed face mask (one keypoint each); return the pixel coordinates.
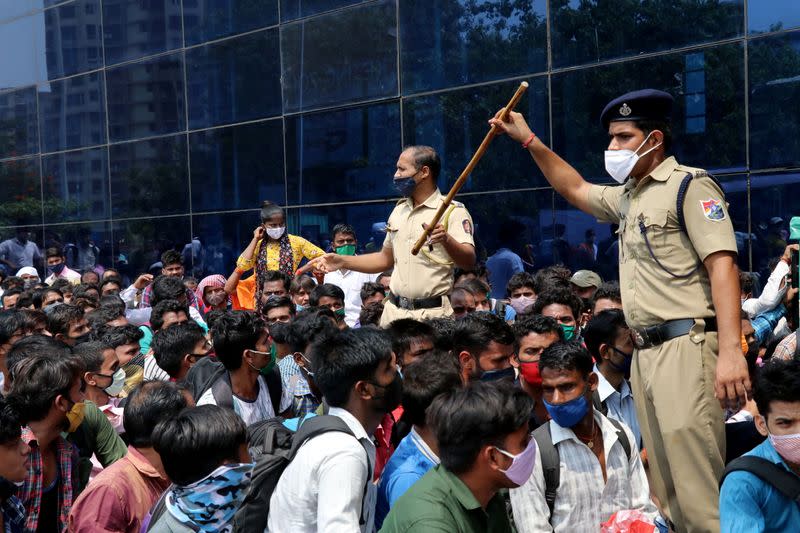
(620, 163)
(521, 465)
(787, 446)
(276, 233)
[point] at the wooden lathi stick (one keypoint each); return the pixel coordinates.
(470, 166)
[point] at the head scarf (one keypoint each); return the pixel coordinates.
(28, 271)
(215, 280)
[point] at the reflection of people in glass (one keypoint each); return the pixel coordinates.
(271, 248)
(20, 251)
(83, 255)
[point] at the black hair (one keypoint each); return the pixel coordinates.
(302, 282)
(558, 295)
(59, 318)
(270, 209)
(346, 358)
(113, 301)
(475, 286)
(424, 380)
(466, 419)
(212, 317)
(11, 321)
(443, 329)
(102, 316)
(277, 275)
(426, 156)
(648, 126)
(197, 441)
(326, 289)
(345, 229)
(474, 332)
(108, 281)
(172, 344)
(777, 381)
(116, 336)
(31, 346)
(12, 282)
(14, 291)
(519, 280)
(91, 354)
(603, 329)
(83, 291)
(164, 307)
(31, 318)
(147, 405)
(233, 333)
(38, 380)
(274, 302)
(171, 257)
(567, 356)
(371, 288)
(535, 324)
(746, 282)
(385, 274)
(10, 424)
(53, 251)
(371, 314)
(405, 330)
(38, 296)
(61, 284)
(608, 290)
(307, 328)
(556, 276)
(167, 288)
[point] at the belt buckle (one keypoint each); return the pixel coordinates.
(640, 337)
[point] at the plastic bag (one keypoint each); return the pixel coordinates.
(631, 521)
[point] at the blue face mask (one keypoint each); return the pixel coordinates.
(495, 375)
(569, 413)
(405, 186)
(625, 367)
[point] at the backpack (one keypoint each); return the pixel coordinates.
(279, 445)
(787, 483)
(211, 374)
(551, 462)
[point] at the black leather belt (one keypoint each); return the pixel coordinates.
(655, 335)
(411, 304)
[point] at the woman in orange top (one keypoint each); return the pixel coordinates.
(271, 248)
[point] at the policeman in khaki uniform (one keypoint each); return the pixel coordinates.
(680, 293)
(420, 283)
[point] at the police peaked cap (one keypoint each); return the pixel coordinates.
(646, 104)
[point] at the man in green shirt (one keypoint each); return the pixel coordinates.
(484, 446)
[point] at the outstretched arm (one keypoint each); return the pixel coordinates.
(369, 263)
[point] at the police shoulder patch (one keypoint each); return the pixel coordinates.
(712, 209)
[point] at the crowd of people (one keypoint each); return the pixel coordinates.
(310, 391)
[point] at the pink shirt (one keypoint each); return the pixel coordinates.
(119, 497)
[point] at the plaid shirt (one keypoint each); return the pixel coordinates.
(31, 492)
(13, 515)
(147, 296)
(303, 400)
(764, 323)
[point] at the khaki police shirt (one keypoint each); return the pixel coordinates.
(429, 273)
(651, 296)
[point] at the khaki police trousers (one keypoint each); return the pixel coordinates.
(683, 428)
(391, 312)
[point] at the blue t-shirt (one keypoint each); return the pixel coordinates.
(410, 461)
(749, 505)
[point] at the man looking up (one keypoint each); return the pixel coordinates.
(345, 243)
(420, 283)
(680, 286)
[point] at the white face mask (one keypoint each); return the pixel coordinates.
(276, 233)
(620, 163)
(117, 384)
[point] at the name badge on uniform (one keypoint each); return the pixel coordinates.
(712, 209)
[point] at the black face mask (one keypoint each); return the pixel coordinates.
(86, 337)
(279, 332)
(392, 395)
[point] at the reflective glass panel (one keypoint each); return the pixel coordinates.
(773, 202)
(455, 123)
(772, 15)
(453, 43)
(146, 98)
(73, 38)
(206, 20)
(19, 247)
(20, 135)
(138, 244)
(774, 64)
(735, 188)
(339, 58)
(234, 80)
(141, 28)
(294, 9)
(21, 52)
(708, 86)
(222, 237)
(348, 154)
(579, 241)
(594, 30)
(76, 185)
(21, 203)
(149, 177)
(9, 10)
(86, 246)
(72, 112)
(237, 167)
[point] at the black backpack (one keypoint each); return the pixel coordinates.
(787, 483)
(551, 462)
(273, 446)
(211, 374)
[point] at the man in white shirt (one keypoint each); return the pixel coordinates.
(609, 341)
(323, 488)
(773, 290)
(597, 476)
(345, 243)
(57, 267)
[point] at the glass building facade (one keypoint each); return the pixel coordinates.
(129, 127)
